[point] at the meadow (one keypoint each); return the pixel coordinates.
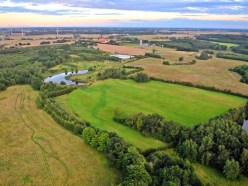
(213, 72)
(35, 150)
(186, 105)
(227, 44)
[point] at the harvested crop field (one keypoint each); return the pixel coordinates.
(37, 151)
(122, 49)
(213, 72)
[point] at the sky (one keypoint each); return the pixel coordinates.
(125, 13)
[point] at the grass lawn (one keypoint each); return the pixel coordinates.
(35, 150)
(187, 105)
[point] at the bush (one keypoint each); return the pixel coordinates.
(153, 55)
(204, 56)
(231, 169)
(36, 83)
(45, 43)
(141, 77)
(166, 63)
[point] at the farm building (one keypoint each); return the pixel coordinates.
(245, 125)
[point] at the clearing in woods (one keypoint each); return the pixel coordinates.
(187, 105)
(37, 151)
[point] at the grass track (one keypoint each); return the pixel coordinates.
(184, 104)
(37, 151)
(212, 176)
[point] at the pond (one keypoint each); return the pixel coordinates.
(62, 77)
(122, 56)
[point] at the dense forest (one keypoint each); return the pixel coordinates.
(220, 143)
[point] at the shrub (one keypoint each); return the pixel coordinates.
(166, 63)
(141, 77)
(231, 169)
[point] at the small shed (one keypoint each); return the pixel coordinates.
(245, 125)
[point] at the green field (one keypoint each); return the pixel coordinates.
(227, 44)
(187, 105)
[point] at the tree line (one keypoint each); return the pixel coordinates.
(191, 45)
(220, 143)
(189, 84)
(224, 38)
(121, 154)
(233, 56)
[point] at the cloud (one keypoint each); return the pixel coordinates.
(124, 11)
(183, 6)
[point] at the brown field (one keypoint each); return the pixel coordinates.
(37, 151)
(122, 49)
(179, 34)
(36, 39)
(214, 72)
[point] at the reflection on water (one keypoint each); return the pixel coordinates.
(62, 77)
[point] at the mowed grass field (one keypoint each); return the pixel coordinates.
(213, 72)
(37, 151)
(187, 105)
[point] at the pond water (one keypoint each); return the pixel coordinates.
(122, 56)
(62, 77)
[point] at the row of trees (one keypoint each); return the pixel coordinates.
(119, 152)
(225, 38)
(225, 91)
(220, 143)
(189, 44)
(122, 73)
(233, 56)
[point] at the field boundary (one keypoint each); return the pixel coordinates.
(188, 84)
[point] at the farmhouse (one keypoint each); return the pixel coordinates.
(245, 125)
